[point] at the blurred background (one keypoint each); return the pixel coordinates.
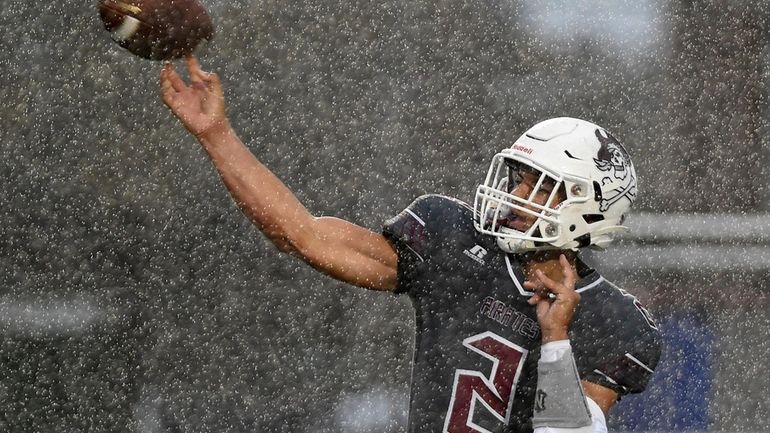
(134, 297)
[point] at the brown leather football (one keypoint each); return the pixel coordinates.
(157, 29)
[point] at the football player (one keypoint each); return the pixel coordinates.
(502, 344)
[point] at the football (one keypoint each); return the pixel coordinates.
(157, 29)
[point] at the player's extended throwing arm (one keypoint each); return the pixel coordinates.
(339, 248)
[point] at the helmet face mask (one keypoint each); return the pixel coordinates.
(583, 183)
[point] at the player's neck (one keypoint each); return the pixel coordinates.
(548, 262)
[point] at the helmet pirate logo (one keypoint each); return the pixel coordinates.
(613, 159)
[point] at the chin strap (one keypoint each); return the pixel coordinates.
(517, 246)
(600, 239)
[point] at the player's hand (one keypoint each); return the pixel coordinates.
(201, 104)
(555, 301)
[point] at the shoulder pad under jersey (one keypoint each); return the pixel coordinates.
(616, 342)
(424, 226)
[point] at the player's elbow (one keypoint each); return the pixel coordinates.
(284, 245)
(282, 240)
(298, 241)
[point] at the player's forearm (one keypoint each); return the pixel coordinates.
(268, 203)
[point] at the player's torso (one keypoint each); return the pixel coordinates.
(476, 339)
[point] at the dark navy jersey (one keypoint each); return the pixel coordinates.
(478, 341)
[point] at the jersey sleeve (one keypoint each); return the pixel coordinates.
(618, 343)
(625, 374)
(409, 233)
(425, 230)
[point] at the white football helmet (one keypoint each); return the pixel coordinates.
(587, 167)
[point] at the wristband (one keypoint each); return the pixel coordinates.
(559, 400)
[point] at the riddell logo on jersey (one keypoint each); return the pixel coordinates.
(477, 253)
(520, 148)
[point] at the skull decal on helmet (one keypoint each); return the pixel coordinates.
(613, 159)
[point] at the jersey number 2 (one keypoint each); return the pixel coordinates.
(495, 391)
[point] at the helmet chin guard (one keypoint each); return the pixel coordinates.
(512, 245)
(582, 162)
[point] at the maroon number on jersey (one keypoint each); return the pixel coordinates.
(495, 392)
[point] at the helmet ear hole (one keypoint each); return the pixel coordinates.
(593, 218)
(584, 241)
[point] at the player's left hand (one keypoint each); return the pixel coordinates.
(555, 301)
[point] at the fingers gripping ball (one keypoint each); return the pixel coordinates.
(157, 29)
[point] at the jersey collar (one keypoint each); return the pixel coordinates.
(589, 278)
